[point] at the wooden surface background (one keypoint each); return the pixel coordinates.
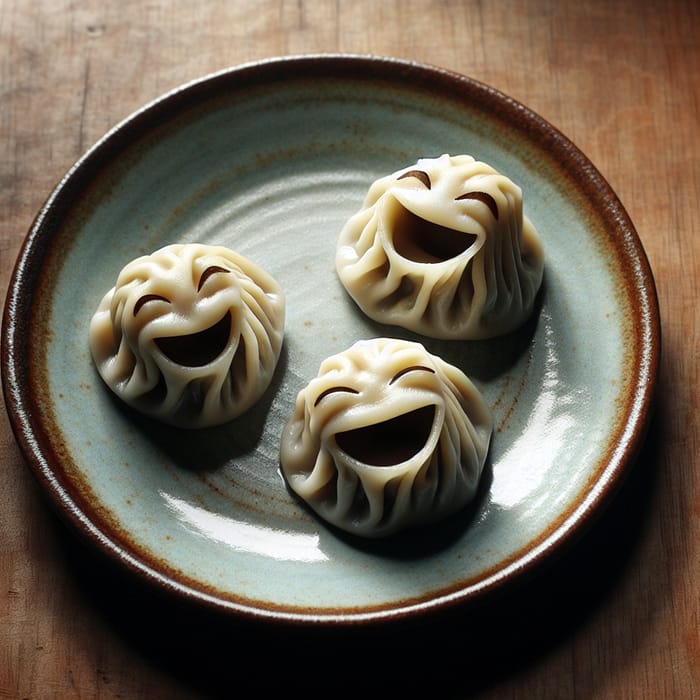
(618, 617)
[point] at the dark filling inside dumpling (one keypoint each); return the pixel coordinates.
(390, 442)
(422, 241)
(197, 349)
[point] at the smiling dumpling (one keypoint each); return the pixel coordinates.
(386, 437)
(190, 335)
(442, 248)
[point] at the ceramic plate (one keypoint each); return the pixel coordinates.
(270, 159)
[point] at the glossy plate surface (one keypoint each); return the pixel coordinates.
(271, 159)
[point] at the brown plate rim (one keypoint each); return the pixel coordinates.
(23, 408)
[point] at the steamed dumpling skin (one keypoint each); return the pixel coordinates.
(190, 334)
(385, 438)
(442, 248)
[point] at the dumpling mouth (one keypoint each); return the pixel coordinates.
(197, 349)
(423, 241)
(391, 441)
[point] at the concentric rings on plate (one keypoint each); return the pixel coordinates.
(270, 159)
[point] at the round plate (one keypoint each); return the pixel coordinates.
(270, 159)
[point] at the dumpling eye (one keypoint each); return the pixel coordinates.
(332, 390)
(419, 175)
(145, 299)
(211, 270)
(413, 368)
(484, 197)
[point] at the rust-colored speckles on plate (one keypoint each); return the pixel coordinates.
(271, 159)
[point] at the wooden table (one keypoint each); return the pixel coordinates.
(617, 617)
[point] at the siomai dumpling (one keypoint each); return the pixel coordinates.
(190, 334)
(386, 437)
(442, 248)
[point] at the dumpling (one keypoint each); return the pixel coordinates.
(190, 335)
(442, 248)
(386, 437)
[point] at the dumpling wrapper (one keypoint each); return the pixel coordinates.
(385, 438)
(442, 248)
(190, 334)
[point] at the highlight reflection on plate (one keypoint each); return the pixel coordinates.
(270, 159)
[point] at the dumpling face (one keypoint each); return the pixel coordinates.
(386, 437)
(442, 248)
(190, 335)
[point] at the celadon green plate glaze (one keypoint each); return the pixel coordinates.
(270, 159)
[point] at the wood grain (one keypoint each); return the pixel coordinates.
(619, 616)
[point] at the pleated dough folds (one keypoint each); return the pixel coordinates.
(442, 248)
(386, 437)
(190, 334)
